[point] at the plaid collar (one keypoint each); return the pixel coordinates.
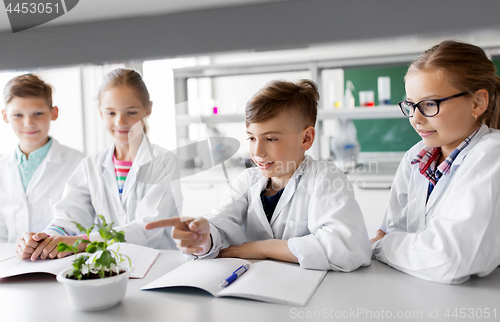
(427, 155)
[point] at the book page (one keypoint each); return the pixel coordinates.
(15, 266)
(142, 259)
(206, 274)
(276, 282)
(7, 251)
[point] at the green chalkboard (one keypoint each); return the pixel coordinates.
(497, 64)
(382, 135)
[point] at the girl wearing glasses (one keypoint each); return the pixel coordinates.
(443, 218)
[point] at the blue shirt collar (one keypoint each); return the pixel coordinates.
(38, 155)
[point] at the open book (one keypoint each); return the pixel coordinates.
(266, 281)
(142, 259)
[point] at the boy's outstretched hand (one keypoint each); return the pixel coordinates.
(192, 235)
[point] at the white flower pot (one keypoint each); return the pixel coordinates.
(96, 294)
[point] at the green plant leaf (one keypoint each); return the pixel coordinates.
(80, 227)
(62, 247)
(88, 231)
(119, 237)
(106, 258)
(92, 248)
(101, 246)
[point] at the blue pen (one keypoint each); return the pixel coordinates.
(237, 273)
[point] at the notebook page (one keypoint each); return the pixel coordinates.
(14, 266)
(7, 251)
(276, 282)
(204, 274)
(142, 257)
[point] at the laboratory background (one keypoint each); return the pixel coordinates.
(202, 60)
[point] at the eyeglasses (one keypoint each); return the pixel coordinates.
(427, 108)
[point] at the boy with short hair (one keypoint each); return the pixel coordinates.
(291, 207)
(32, 176)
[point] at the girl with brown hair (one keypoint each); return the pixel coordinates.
(443, 216)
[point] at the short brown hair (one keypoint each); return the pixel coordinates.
(467, 68)
(27, 85)
(299, 98)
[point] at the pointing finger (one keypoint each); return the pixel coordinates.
(170, 222)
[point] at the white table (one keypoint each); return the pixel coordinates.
(369, 293)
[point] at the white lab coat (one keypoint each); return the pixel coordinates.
(93, 189)
(317, 213)
(31, 210)
(456, 234)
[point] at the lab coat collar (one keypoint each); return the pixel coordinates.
(290, 188)
(15, 175)
(461, 156)
(108, 171)
(417, 221)
(256, 189)
(39, 153)
(141, 157)
(144, 156)
(287, 195)
(443, 182)
(53, 156)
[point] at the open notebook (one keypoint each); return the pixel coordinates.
(142, 259)
(266, 281)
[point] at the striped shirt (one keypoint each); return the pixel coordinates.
(58, 230)
(427, 157)
(121, 169)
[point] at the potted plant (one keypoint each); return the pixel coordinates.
(98, 279)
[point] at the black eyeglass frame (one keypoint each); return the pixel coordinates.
(437, 101)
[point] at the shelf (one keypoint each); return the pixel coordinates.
(358, 113)
(220, 118)
(362, 113)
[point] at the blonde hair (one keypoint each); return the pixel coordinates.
(27, 85)
(128, 78)
(467, 68)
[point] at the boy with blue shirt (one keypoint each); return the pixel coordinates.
(32, 176)
(290, 207)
